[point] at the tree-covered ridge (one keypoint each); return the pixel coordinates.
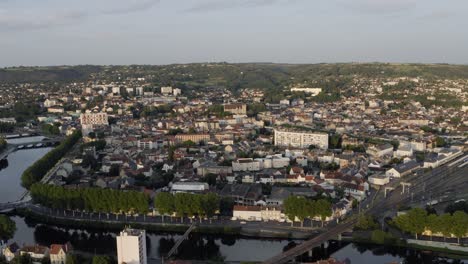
(90, 199)
(53, 73)
(240, 75)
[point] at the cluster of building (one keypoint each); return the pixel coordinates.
(150, 138)
(57, 253)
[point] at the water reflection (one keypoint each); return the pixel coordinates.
(10, 174)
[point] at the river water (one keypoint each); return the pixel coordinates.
(200, 247)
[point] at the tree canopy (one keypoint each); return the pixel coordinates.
(7, 227)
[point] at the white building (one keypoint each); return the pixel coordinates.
(177, 91)
(139, 91)
(116, 90)
(246, 164)
(312, 91)
(166, 89)
(189, 187)
(131, 246)
(301, 139)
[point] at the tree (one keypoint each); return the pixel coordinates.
(324, 209)
(433, 224)
(366, 222)
(71, 259)
(7, 227)
(101, 260)
(23, 259)
(440, 142)
(459, 224)
(335, 141)
(164, 202)
(290, 206)
(445, 225)
(414, 221)
(210, 204)
(210, 178)
(417, 218)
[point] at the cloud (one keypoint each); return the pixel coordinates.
(438, 15)
(38, 18)
(216, 5)
(131, 7)
(379, 6)
(31, 20)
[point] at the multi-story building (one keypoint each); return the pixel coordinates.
(90, 120)
(246, 164)
(237, 109)
(192, 137)
(312, 91)
(131, 246)
(299, 139)
(94, 119)
(166, 90)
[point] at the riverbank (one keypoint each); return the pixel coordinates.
(110, 225)
(442, 249)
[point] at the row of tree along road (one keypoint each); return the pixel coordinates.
(418, 221)
(39, 169)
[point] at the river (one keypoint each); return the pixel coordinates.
(201, 247)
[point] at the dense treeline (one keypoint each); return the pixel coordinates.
(417, 220)
(90, 199)
(6, 127)
(39, 168)
(187, 204)
(21, 111)
(301, 208)
(56, 73)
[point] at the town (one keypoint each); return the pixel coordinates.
(136, 145)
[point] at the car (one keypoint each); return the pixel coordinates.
(243, 222)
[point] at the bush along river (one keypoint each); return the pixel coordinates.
(228, 248)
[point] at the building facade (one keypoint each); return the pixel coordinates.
(237, 109)
(131, 246)
(301, 139)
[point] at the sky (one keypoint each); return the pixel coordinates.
(112, 32)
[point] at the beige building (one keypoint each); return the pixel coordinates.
(94, 119)
(131, 246)
(237, 109)
(257, 213)
(192, 137)
(299, 139)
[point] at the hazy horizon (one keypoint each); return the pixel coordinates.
(162, 32)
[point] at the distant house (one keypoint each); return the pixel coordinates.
(279, 194)
(58, 253)
(402, 169)
(242, 194)
(380, 150)
(36, 252)
(11, 251)
(257, 213)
